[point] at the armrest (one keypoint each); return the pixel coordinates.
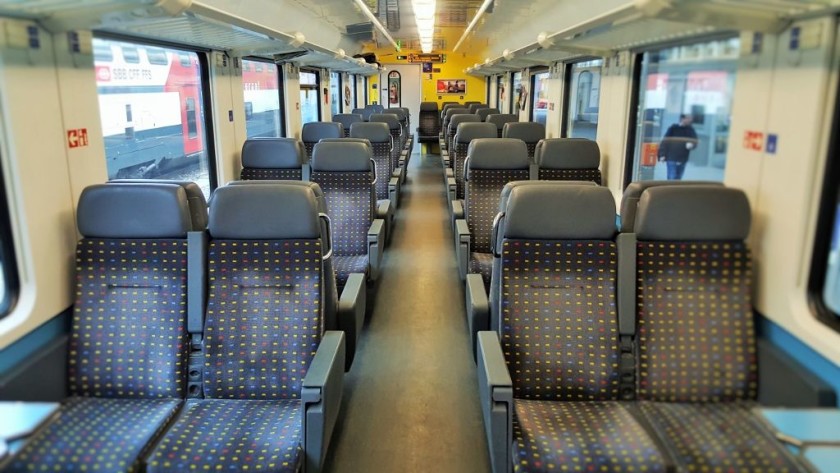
(534, 172)
(478, 308)
(351, 313)
(457, 209)
(495, 392)
(451, 189)
(393, 191)
(783, 381)
(376, 244)
(462, 246)
(450, 173)
(321, 398)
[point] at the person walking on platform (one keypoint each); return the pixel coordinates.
(678, 141)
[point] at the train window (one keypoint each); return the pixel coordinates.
(539, 96)
(309, 102)
(684, 103)
(335, 88)
(500, 92)
(350, 94)
(8, 268)
(157, 56)
(261, 84)
(130, 55)
(517, 91)
(102, 53)
(583, 82)
(152, 114)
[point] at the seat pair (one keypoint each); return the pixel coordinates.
(164, 381)
(583, 323)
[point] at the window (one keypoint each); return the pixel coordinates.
(157, 56)
(310, 104)
(539, 97)
(349, 93)
(517, 91)
(153, 118)
(131, 55)
(262, 99)
(500, 92)
(335, 92)
(583, 82)
(684, 102)
(8, 268)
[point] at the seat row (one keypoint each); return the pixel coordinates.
(632, 351)
(193, 349)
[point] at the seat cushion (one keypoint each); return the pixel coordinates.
(551, 436)
(346, 265)
(718, 437)
(232, 435)
(96, 435)
(482, 263)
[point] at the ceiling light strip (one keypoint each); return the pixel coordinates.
(424, 16)
(376, 22)
(472, 24)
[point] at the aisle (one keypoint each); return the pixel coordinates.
(411, 399)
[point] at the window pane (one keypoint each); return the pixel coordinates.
(308, 97)
(517, 91)
(685, 100)
(540, 97)
(500, 92)
(831, 289)
(335, 88)
(584, 94)
(262, 99)
(152, 113)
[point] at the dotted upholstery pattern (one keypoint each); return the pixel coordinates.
(460, 157)
(129, 333)
(532, 149)
(695, 322)
(399, 144)
(309, 146)
(344, 266)
(482, 202)
(382, 160)
(554, 436)
(232, 435)
(450, 138)
(482, 263)
(96, 436)
(559, 328)
(255, 174)
(718, 437)
(429, 123)
(263, 321)
(350, 202)
(593, 175)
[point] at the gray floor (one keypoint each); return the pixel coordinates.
(411, 401)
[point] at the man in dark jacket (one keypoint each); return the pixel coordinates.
(678, 141)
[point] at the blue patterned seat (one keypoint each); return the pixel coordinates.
(127, 354)
(453, 125)
(313, 132)
(395, 129)
(379, 136)
(272, 159)
(466, 132)
(500, 119)
(346, 120)
(568, 159)
(529, 132)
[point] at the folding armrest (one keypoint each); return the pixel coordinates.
(534, 172)
(457, 209)
(376, 245)
(451, 189)
(478, 308)
(394, 191)
(306, 172)
(495, 390)
(351, 313)
(321, 398)
(462, 246)
(385, 211)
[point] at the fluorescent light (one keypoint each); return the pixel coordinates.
(376, 22)
(472, 24)
(424, 16)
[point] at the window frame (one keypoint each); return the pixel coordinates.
(533, 73)
(8, 256)
(513, 89)
(280, 92)
(339, 102)
(567, 89)
(317, 88)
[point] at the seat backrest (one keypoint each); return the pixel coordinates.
(347, 119)
(568, 159)
(272, 159)
(345, 172)
(314, 132)
(446, 106)
(529, 132)
(379, 136)
(452, 127)
(471, 102)
(131, 292)
(633, 192)
(452, 111)
(195, 197)
(464, 135)
(491, 163)
(694, 314)
(266, 266)
(557, 261)
(394, 127)
(375, 108)
(364, 112)
(429, 119)
(402, 116)
(483, 113)
(474, 107)
(500, 120)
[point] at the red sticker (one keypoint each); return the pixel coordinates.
(77, 137)
(754, 140)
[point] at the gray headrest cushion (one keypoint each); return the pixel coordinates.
(529, 132)
(316, 131)
(347, 118)
(341, 156)
(510, 186)
(693, 213)
(272, 153)
(391, 120)
(568, 153)
(396, 111)
(364, 141)
(373, 132)
(486, 112)
(470, 131)
(456, 111)
(560, 212)
(428, 106)
(497, 153)
(195, 197)
(461, 118)
(630, 199)
(312, 186)
(129, 210)
(500, 119)
(264, 212)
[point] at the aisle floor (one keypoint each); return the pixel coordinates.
(411, 400)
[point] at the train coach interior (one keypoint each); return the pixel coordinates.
(419, 235)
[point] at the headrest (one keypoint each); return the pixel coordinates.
(456, 120)
(376, 108)
(312, 186)
(195, 198)
(474, 107)
(400, 113)
(568, 153)
(529, 132)
(371, 131)
(347, 118)
(404, 110)
(273, 153)
(510, 186)
(470, 131)
(560, 212)
(456, 111)
(341, 156)
(391, 120)
(633, 192)
(428, 106)
(316, 131)
(500, 119)
(264, 212)
(693, 213)
(134, 210)
(358, 111)
(497, 153)
(364, 141)
(483, 113)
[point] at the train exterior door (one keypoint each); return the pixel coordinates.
(410, 90)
